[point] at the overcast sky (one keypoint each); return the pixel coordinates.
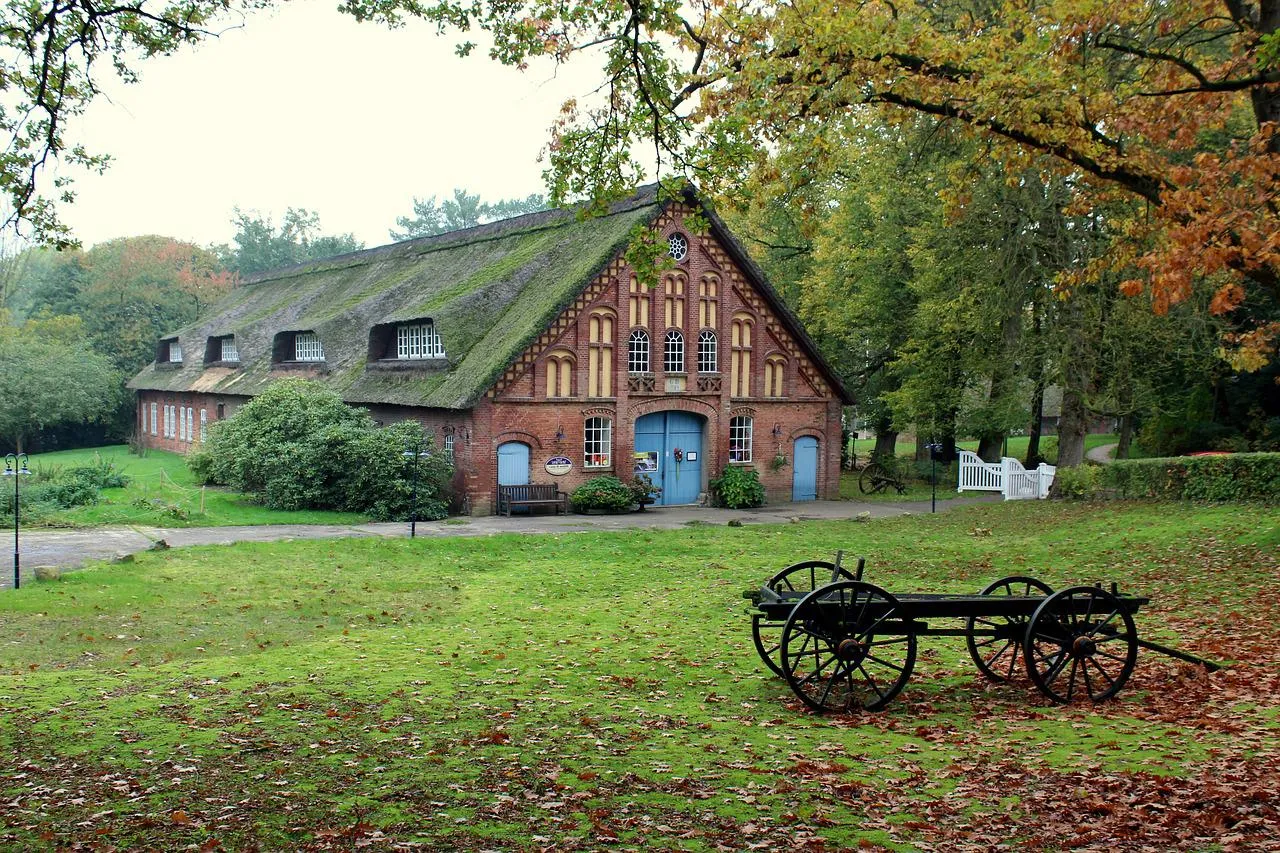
(304, 107)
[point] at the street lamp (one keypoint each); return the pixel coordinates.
(933, 475)
(15, 465)
(413, 450)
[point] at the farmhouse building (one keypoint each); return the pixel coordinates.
(532, 353)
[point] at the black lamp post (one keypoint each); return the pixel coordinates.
(933, 475)
(413, 449)
(15, 465)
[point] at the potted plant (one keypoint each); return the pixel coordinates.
(644, 490)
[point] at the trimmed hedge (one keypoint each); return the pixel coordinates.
(1235, 477)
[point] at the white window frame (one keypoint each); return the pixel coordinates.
(678, 247)
(741, 428)
(638, 352)
(597, 442)
(144, 418)
(415, 341)
(175, 352)
(191, 424)
(448, 447)
(708, 360)
(307, 347)
(182, 423)
(154, 427)
(204, 425)
(229, 352)
(673, 352)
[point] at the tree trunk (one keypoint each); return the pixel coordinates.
(991, 447)
(1073, 424)
(1037, 399)
(886, 444)
(1126, 436)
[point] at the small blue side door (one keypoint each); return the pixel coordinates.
(664, 433)
(513, 464)
(804, 466)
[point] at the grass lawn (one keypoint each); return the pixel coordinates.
(162, 493)
(578, 691)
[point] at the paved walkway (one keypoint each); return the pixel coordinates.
(71, 549)
(1103, 454)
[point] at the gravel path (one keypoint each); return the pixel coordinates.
(69, 549)
(1103, 454)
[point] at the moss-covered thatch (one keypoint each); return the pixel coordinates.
(490, 290)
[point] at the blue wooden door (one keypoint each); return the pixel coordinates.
(664, 433)
(513, 464)
(804, 466)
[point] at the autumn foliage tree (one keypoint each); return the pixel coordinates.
(1173, 104)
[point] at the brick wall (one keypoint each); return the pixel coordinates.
(214, 406)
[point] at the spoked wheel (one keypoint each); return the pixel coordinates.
(873, 479)
(801, 578)
(997, 657)
(1081, 642)
(847, 646)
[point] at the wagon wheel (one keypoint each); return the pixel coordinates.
(997, 657)
(1080, 641)
(847, 646)
(873, 479)
(802, 577)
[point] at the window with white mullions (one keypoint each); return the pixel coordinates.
(228, 349)
(673, 352)
(678, 245)
(306, 347)
(448, 447)
(707, 362)
(740, 439)
(175, 352)
(418, 341)
(638, 352)
(597, 444)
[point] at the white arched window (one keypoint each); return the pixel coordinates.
(673, 352)
(707, 362)
(638, 352)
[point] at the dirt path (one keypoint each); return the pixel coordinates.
(69, 549)
(1103, 454)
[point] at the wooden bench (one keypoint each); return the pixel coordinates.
(530, 495)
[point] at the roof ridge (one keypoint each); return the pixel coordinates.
(525, 223)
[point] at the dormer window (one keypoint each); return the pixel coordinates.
(169, 352)
(297, 348)
(307, 347)
(418, 341)
(221, 349)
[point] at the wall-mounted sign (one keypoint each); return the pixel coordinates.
(691, 456)
(558, 465)
(646, 462)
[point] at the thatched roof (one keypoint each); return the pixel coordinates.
(489, 290)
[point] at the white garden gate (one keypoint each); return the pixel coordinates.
(1006, 476)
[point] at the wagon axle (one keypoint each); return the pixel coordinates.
(843, 644)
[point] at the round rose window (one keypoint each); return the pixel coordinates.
(679, 246)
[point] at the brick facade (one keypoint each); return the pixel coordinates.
(578, 369)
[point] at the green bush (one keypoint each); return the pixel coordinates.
(603, 493)
(298, 446)
(53, 488)
(1235, 477)
(738, 487)
(1080, 482)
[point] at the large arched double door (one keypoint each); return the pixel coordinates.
(669, 444)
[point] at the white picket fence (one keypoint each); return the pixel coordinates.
(1006, 476)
